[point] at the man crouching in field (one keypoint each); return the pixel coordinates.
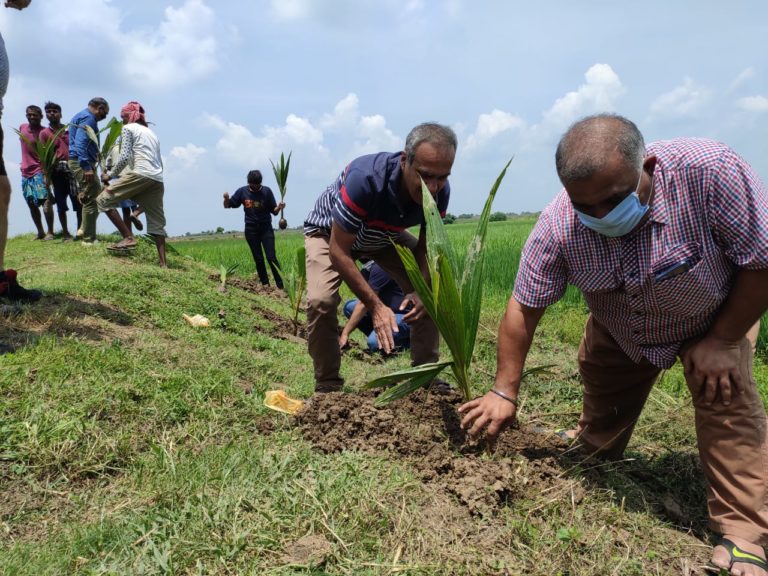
(669, 246)
(369, 206)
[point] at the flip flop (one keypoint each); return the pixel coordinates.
(136, 222)
(116, 248)
(738, 556)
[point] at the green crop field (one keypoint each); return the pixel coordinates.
(133, 443)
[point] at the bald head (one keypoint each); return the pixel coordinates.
(593, 141)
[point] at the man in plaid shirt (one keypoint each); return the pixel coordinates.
(669, 246)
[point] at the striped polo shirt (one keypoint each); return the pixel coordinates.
(364, 201)
(664, 282)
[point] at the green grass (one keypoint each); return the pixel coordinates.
(132, 443)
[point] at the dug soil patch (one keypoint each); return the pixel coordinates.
(424, 429)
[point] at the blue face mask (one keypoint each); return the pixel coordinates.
(619, 221)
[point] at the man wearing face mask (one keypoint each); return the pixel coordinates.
(669, 246)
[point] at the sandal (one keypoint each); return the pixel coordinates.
(136, 222)
(120, 246)
(738, 556)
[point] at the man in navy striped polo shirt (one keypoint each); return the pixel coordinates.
(364, 211)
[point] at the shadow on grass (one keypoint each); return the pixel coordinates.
(62, 316)
(671, 486)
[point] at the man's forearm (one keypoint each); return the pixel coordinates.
(746, 303)
(343, 263)
(515, 337)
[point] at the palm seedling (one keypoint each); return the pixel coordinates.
(45, 151)
(281, 176)
(224, 273)
(452, 298)
(113, 129)
(295, 282)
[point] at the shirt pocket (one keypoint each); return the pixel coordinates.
(683, 283)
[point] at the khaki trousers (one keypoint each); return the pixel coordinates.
(732, 440)
(87, 195)
(323, 299)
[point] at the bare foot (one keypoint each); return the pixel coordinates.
(736, 558)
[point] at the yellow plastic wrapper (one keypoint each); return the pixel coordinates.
(198, 320)
(277, 400)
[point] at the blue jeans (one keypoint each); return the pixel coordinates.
(402, 337)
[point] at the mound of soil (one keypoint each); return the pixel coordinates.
(424, 429)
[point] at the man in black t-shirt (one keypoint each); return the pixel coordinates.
(259, 205)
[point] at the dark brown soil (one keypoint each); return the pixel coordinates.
(425, 430)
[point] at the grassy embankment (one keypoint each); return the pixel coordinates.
(131, 443)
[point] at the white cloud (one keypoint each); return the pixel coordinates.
(188, 155)
(181, 49)
(741, 78)
(491, 125)
(753, 104)
(178, 49)
(686, 100)
(290, 9)
(601, 93)
(374, 136)
(239, 146)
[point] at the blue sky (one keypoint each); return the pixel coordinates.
(230, 84)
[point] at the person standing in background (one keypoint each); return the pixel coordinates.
(62, 182)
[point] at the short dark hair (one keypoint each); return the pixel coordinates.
(52, 106)
(590, 142)
(98, 102)
(34, 107)
(431, 132)
(254, 177)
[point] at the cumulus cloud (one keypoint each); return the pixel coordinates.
(181, 48)
(188, 154)
(601, 93)
(238, 145)
(370, 133)
(491, 125)
(753, 104)
(685, 100)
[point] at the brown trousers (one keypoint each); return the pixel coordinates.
(323, 300)
(732, 440)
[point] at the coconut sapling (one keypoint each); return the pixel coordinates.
(224, 273)
(113, 129)
(452, 298)
(281, 176)
(295, 282)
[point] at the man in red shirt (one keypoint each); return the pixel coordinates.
(33, 184)
(62, 181)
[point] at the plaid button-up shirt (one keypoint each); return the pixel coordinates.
(663, 283)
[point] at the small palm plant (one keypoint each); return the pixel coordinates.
(281, 176)
(224, 273)
(45, 151)
(453, 300)
(295, 283)
(113, 129)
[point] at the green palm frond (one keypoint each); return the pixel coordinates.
(453, 295)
